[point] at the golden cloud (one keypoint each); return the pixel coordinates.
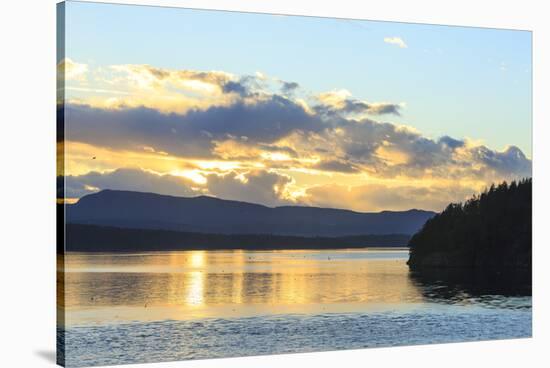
(227, 135)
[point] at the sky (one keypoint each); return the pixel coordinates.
(285, 110)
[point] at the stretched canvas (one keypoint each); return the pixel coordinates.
(235, 184)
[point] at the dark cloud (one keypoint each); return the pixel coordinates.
(451, 142)
(276, 148)
(134, 128)
(289, 88)
(246, 86)
(336, 166)
(351, 143)
(358, 107)
(264, 121)
(510, 162)
(362, 144)
(362, 140)
(353, 106)
(235, 87)
(191, 134)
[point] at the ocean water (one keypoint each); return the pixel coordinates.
(163, 306)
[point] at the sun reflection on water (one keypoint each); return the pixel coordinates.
(194, 296)
(196, 284)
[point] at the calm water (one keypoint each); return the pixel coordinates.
(129, 308)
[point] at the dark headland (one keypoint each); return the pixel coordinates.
(490, 232)
(113, 220)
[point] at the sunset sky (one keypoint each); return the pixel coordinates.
(285, 110)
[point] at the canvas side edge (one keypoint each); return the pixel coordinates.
(60, 185)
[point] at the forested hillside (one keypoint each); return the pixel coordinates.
(491, 230)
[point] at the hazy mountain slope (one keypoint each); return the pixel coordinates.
(212, 215)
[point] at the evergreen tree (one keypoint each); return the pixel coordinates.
(490, 230)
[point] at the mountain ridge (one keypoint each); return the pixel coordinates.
(130, 209)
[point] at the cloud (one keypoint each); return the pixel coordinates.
(383, 108)
(67, 70)
(451, 142)
(510, 162)
(190, 134)
(253, 131)
(383, 149)
(351, 106)
(246, 135)
(235, 87)
(289, 88)
(387, 150)
(398, 41)
(270, 188)
(149, 77)
(341, 102)
(263, 121)
(257, 187)
(166, 90)
(181, 90)
(248, 86)
(380, 197)
(128, 179)
(336, 166)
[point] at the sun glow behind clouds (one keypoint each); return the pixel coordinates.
(392, 156)
(216, 165)
(275, 156)
(195, 175)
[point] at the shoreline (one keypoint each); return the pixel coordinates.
(94, 238)
(374, 248)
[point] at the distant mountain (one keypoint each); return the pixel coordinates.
(125, 209)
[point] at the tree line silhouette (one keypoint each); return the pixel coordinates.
(93, 238)
(492, 230)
